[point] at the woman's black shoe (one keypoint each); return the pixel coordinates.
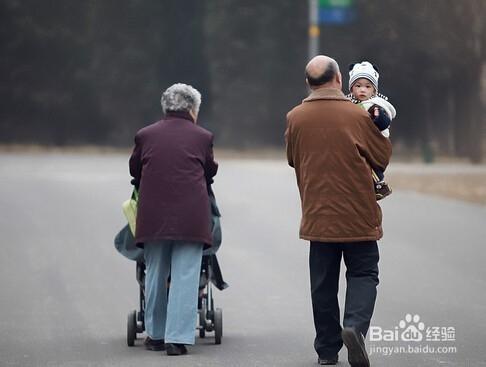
(174, 349)
(152, 344)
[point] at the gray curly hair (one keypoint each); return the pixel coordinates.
(181, 97)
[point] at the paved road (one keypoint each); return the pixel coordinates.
(65, 292)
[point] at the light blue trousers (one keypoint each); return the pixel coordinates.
(172, 318)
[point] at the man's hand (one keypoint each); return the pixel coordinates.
(376, 111)
(379, 117)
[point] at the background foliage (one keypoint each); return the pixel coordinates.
(91, 72)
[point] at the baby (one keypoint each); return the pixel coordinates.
(363, 87)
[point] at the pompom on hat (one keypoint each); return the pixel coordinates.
(363, 70)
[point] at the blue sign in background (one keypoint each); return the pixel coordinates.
(336, 15)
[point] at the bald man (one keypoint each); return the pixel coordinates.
(332, 145)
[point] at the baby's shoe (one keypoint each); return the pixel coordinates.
(382, 190)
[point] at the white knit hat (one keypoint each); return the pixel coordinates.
(363, 70)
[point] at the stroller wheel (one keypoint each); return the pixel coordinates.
(131, 328)
(202, 324)
(140, 322)
(218, 325)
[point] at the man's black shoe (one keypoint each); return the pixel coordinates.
(174, 349)
(328, 361)
(354, 341)
(151, 344)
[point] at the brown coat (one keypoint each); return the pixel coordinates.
(332, 144)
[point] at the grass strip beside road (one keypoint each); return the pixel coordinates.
(470, 187)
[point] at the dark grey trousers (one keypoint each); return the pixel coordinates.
(361, 260)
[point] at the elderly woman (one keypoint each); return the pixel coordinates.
(171, 164)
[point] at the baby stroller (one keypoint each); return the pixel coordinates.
(210, 318)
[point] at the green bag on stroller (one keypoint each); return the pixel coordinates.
(129, 208)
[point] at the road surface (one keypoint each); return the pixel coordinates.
(65, 292)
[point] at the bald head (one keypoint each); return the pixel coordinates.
(323, 71)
